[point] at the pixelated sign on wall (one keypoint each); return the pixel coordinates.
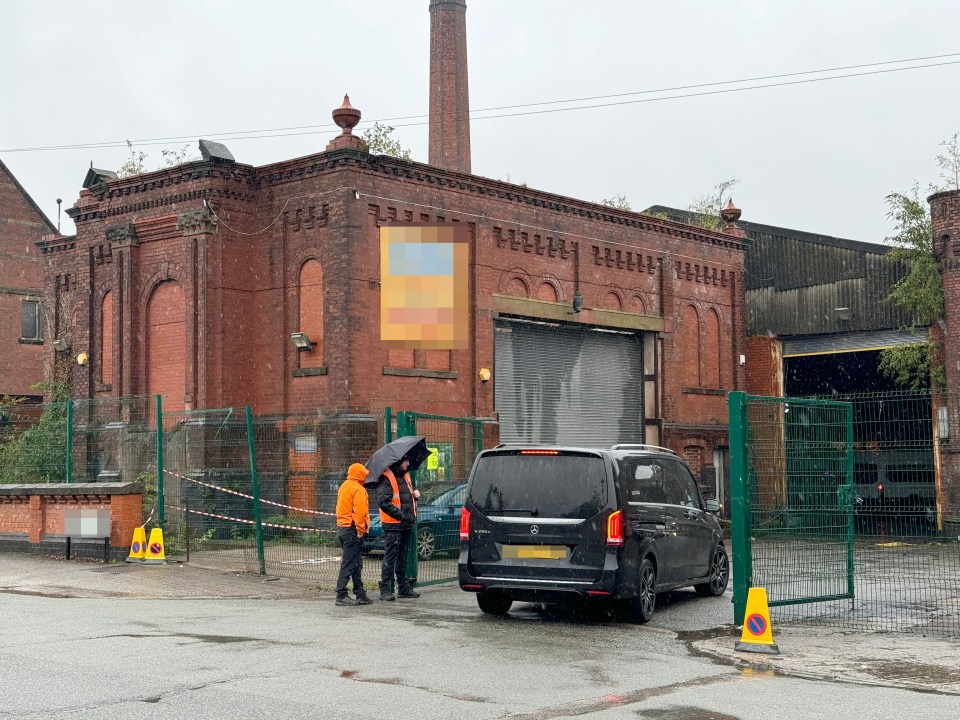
(423, 286)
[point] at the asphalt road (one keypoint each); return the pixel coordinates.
(77, 642)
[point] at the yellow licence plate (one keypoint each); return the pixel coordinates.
(543, 552)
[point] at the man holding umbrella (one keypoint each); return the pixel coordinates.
(397, 500)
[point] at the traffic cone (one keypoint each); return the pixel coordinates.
(155, 554)
(757, 634)
(138, 546)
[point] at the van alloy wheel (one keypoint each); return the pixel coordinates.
(646, 600)
(719, 575)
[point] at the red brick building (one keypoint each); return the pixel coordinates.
(945, 218)
(22, 223)
(188, 282)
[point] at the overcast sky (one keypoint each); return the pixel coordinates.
(817, 156)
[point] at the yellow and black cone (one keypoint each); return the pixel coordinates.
(138, 546)
(757, 634)
(155, 549)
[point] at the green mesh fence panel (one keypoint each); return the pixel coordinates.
(114, 439)
(904, 518)
(302, 460)
(454, 444)
(207, 488)
(33, 442)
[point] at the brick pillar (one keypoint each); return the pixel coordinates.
(945, 215)
(449, 96)
(37, 518)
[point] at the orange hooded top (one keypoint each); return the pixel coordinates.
(353, 507)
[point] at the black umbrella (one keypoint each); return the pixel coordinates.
(411, 447)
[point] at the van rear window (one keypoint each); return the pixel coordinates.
(547, 486)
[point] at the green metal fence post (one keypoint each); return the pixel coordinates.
(850, 495)
(413, 554)
(388, 425)
(255, 482)
(479, 436)
(69, 468)
(740, 503)
(161, 516)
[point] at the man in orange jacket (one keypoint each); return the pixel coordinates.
(353, 522)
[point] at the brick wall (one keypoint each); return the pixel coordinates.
(239, 271)
(945, 216)
(21, 277)
(40, 510)
(764, 366)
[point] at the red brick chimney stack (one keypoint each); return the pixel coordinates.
(449, 96)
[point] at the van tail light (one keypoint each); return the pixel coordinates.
(465, 525)
(614, 529)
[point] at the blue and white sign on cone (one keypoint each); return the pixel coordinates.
(138, 546)
(757, 634)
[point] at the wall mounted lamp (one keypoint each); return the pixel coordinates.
(301, 341)
(60, 345)
(485, 375)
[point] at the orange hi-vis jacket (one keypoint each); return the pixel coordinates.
(388, 473)
(353, 506)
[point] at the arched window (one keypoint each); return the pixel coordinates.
(690, 346)
(105, 351)
(711, 350)
(311, 312)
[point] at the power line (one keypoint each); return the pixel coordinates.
(294, 131)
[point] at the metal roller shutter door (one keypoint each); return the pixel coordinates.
(568, 386)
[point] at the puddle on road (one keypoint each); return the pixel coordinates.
(916, 672)
(684, 712)
(35, 593)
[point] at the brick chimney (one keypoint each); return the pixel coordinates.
(449, 96)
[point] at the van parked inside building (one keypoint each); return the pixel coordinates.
(555, 524)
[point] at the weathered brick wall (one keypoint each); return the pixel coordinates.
(40, 510)
(21, 276)
(945, 216)
(764, 366)
(240, 270)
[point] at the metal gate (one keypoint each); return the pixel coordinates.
(791, 474)
(454, 443)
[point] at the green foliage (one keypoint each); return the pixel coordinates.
(920, 292)
(379, 139)
(706, 208)
(909, 366)
(39, 453)
(618, 202)
(949, 163)
(137, 162)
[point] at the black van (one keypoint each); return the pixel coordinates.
(552, 524)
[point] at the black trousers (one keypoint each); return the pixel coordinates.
(396, 547)
(351, 561)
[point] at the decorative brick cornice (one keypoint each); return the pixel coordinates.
(57, 245)
(384, 165)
